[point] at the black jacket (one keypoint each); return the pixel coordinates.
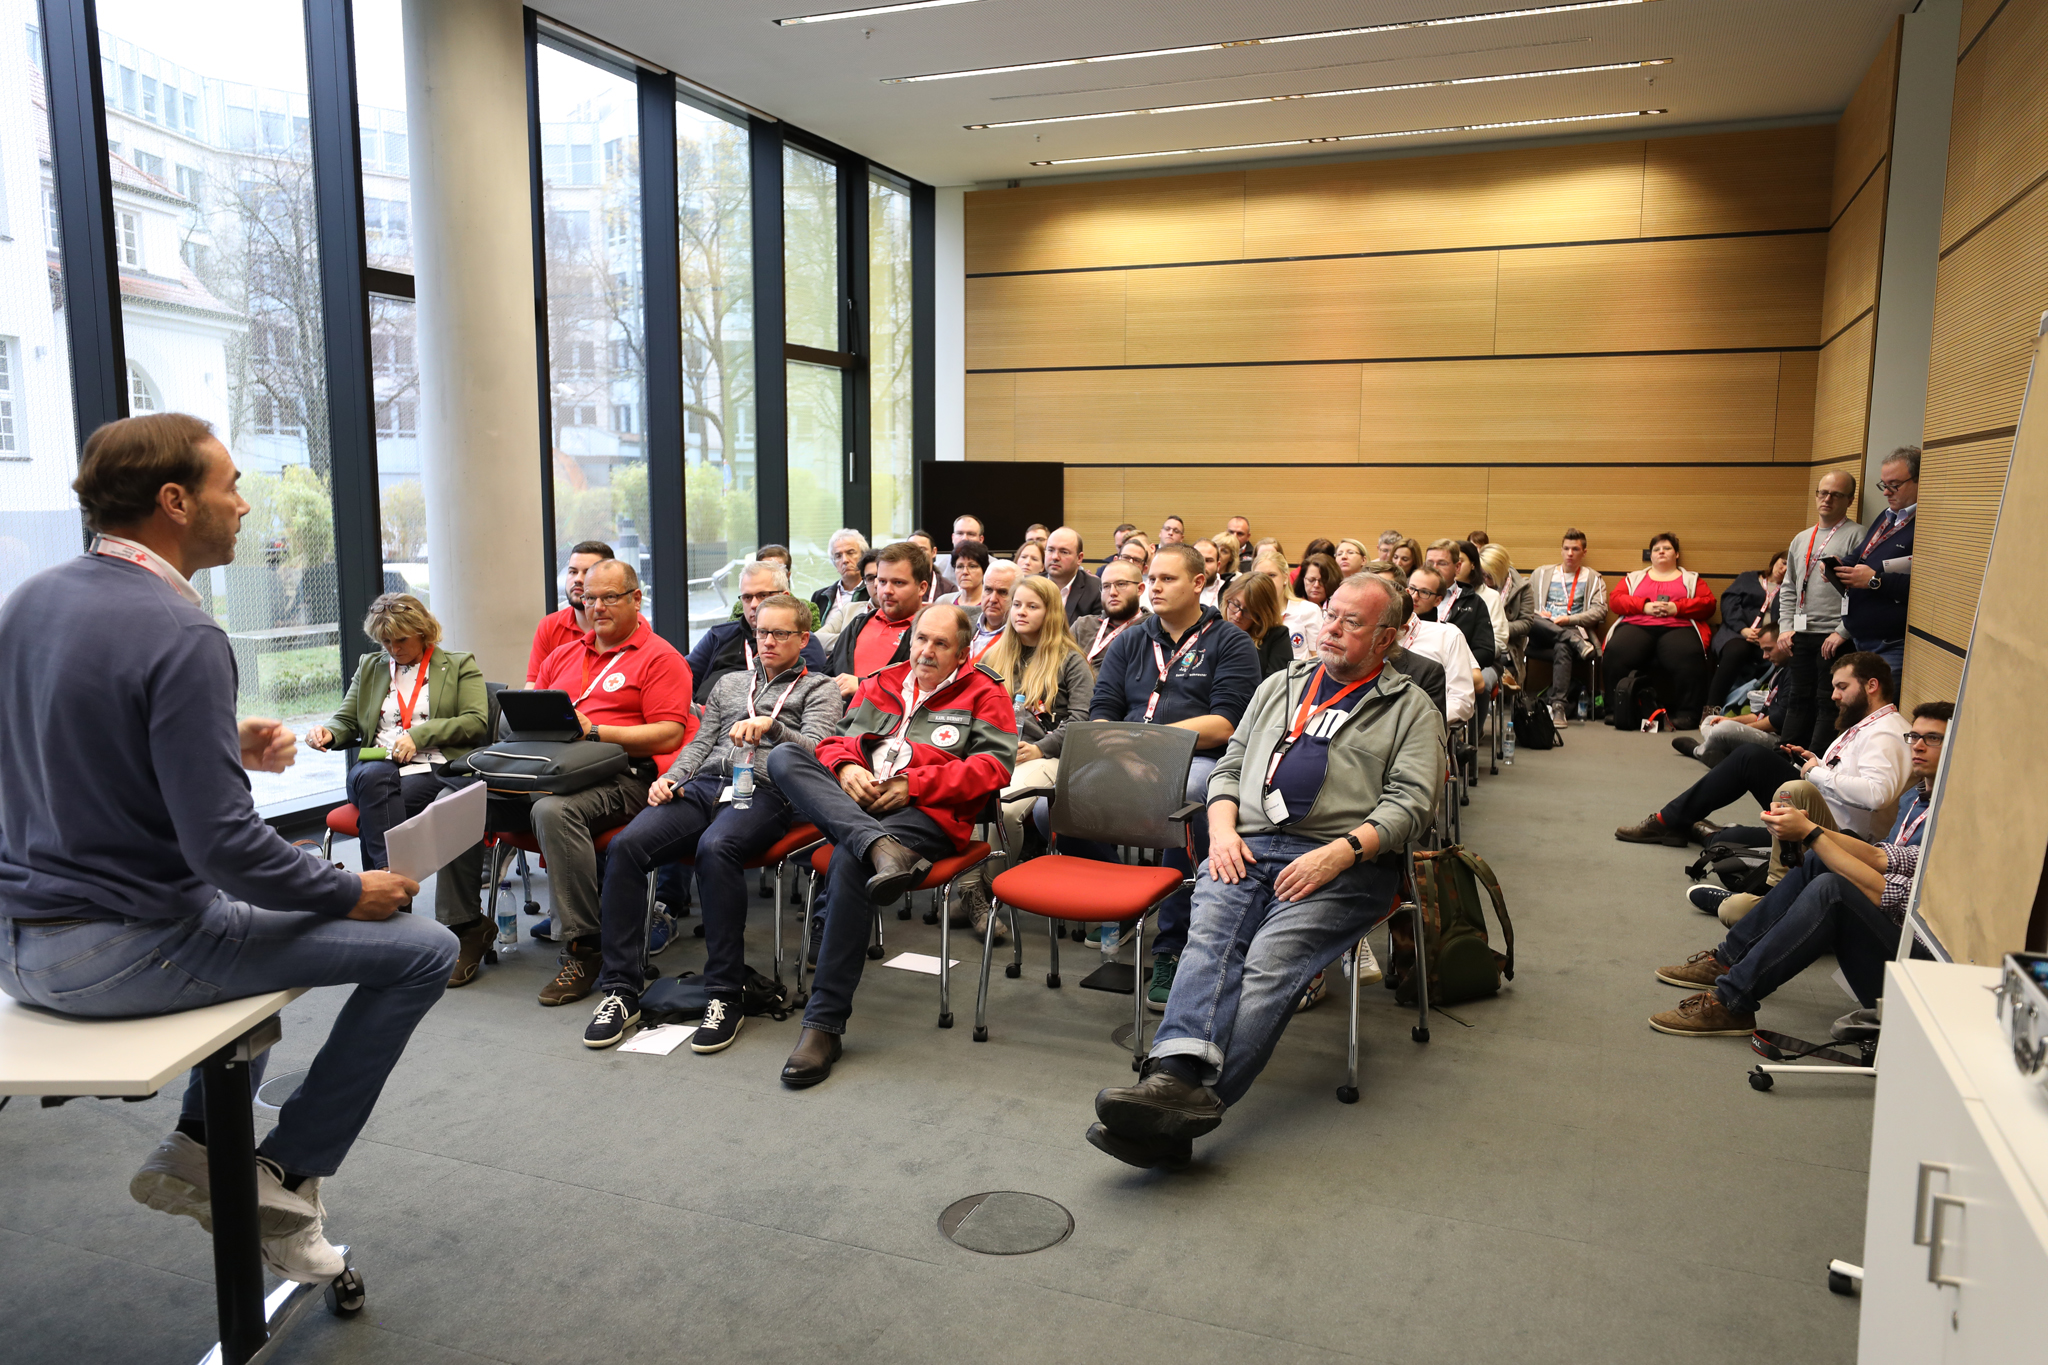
(840, 660)
(1878, 615)
(1084, 595)
(1276, 651)
(824, 599)
(1469, 615)
(1741, 603)
(1425, 672)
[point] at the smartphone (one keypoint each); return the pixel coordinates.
(1831, 565)
(371, 753)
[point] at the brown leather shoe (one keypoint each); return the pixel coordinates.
(473, 949)
(1703, 1016)
(1698, 972)
(816, 1050)
(1651, 831)
(897, 870)
(577, 979)
(1702, 832)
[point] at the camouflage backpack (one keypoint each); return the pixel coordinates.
(1462, 965)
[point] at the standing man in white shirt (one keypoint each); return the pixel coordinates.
(1080, 591)
(1810, 608)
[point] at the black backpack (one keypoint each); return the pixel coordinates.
(680, 999)
(1632, 701)
(1533, 727)
(1742, 868)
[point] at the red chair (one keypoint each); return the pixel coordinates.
(341, 820)
(940, 879)
(800, 839)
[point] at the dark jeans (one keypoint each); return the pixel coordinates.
(1811, 912)
(384, 799)
(1809, 705)
(1752, 768)
(722, 840)
(1545, 637)
(1675, 650)
(815, 795)
(1892, 652)
(1740, 662)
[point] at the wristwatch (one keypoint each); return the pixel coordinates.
(1812, 837)
(1876, 581)
(1357, 849)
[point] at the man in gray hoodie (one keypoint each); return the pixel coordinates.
(1332, 773)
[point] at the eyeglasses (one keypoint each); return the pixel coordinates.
(1890, 486)
(1830, 495)
(758, 596)
(775, 637)
(608, 599)
(1424, 592)
(1918, 737)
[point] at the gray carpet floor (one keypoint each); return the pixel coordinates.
(1547, 1180)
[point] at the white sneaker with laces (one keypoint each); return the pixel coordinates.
(279, 1211)
(305, 1256)
(1368, 966)
(175, 1180)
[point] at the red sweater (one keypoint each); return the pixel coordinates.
(1689, 592)
(963, 743)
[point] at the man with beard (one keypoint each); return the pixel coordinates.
(1861, 776)
(572, 622)
(880, 636)
(1123, 591)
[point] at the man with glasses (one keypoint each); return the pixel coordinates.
(846, 548)
(879, 635)
(1123, 590)
(693, 811)
(1329, 777)
(631, 688)
(1810, 609)
(1879, 575)
(1443, 642)
(728, 647)
(835, 624)
(1846, 897)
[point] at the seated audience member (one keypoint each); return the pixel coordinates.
(1172, 531)
(1571, 610)
(1425, 672)
(630, 688)
(1318, 546)
(690, 813)
(1329, 777)
(970, 563)
(923, 747)
(1121, 534)
(829, 630)
(1747, 606)
(1036, 533)
(940, 584)
(846, 548)
(1050, 686)
(1879, 574)
(1180, 666)
(1725, 732)
(728, 647)
(1480, 540)
(879, 636)
(1123, 590)
(997, 587)
(1135, 550)
(423, 705)
(1846, 897)
(966, 527)
(1030, 557)
(1860, 776)
(1408, 555)
(1444, 642)
(1241, 528)
(1228, 555)
(776, 554)
(1664, 611)
(1252, 604)
(1351, 556)
(1517, 601)
(1212, 578)
(1388, 541)
(1472, 578)
(572, 622)
(1316, 578)
(134, 869)
(1080, 591)
(1303, 619)
(1462, 607)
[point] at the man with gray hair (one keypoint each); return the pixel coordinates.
(1329, 777)
(846, 547)
(728, 647)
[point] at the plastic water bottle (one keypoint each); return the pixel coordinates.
(1107, 936)
(508, 926)
(1507, 744)
(1585, 708)
(743, 777)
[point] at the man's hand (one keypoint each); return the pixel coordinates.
(858, 783)
(1857, 575)
(848, 685)
(267, 746)
(1229, 856)
(1301, 878)
(583, 722)
(1781, 652)
(403, 749)
(384, 895)
(1027, 751)
(748, 731)
(1753, 722)
(1805, 758)
(891, 795)
(319, 737)
(662, 792)
(1834, 642)
(1787, 824)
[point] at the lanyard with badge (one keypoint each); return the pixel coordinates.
(591, 677)
(1571, 592)
(1103, 638)
(755, 683)
(1814, 543)
(1832, 756)
(1912, 826)
(419, 680)
(131, 554)
(892, 755)
(1166, 665)
(1275, 804)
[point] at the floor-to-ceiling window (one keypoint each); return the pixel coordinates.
(892, 493)
(813, 317)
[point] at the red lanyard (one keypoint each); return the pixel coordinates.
(1813, 542)
(1303, 715)
(1571, 592)
(128, 554)
(1166, 665)
(1850, 733)
(1103, 638)
(419, 680)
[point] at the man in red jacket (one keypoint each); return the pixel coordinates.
(924, 746)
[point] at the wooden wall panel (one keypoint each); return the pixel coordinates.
(1095, 506)
(1622, 409)
(991, 416)
(1728, 525)
(1864, 136)
(1998, 134)
(1718, 292)
(1976, 14)
(1855, 254)
(1312, 310)
(1988, 299)
(1841, 399)
(1932, 674)
(1549, 194)
(1960, 487)
(1286, 413)
(1025, 321)
(1119, 222)
(1737, 182)
(1792, 439)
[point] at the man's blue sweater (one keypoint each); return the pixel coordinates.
(1214, 673)
(121, 784)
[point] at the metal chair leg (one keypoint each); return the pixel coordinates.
(1016, 967)
(1138, 998)
(327, 846)
(803, 955)
(1052, 971)
(945, 960)
(988, 957)
(875, 949)
(778, 924)
(647, 934)
(526, 883)
(1347, 1093)
(1420, 1033)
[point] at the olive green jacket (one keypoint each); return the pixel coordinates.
(457, 706)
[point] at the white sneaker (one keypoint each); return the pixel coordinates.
(1368, 965)
(175, 1180)
(280, 1211)
(305, 1256)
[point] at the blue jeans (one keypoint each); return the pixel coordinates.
(384, 798)
(127, 968)
(1810, 912)
(1249, 956)
(1173, 911)
(722, 840)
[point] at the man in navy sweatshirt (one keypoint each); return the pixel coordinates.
(132, 860)
(1184, 666)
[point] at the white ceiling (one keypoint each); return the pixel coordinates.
(1736, 61)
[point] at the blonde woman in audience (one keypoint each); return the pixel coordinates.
(1229, 553)
(1351, 556)
(1030, 557)
(1303, 619)
(1517, 598)
(1050, 683)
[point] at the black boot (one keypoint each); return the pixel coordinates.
(1167, 1154)
(1161, 1105)
(816, 1050)
(897, 870)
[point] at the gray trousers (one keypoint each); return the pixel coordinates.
(1725, 738)
(564, 827)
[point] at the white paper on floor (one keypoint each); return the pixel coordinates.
(919, 962)
(660, 1040)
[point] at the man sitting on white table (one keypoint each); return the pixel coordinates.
(132, 860)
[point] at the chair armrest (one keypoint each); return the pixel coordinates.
(1187, 812)
(1018, 794)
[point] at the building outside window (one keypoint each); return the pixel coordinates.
(141, 393)
(891, 503)
(129, 230)
(810, 290)
(9, 438)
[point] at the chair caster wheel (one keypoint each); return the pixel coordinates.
(1419, 1034)
(904, 913)
(1847, 1286)
(1060, 931)
(345, 1293)
(491, 956)
(1347, 1094)
(945, 1021)
(981, 1035)
(1052, 979)
(1012, 970)
(874, 951)
(930, 916)
(1760, 1079)
(697, 929)
(1136, 1065)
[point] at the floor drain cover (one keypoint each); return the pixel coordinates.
(272, 1094)
(1006, 1223)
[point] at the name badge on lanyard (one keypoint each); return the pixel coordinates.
(892, 755)
(1274, 803)
(1167, 665)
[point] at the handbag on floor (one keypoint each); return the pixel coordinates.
(681, 999)
(1742, 868)
(1534, 728)
(1462, 964)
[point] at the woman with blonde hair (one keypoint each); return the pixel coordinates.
(415, 706)
(1351, 556)
(1303, 619)
(1517, 597)
(1050, 683)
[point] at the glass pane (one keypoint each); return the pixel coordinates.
(816, 464)
(595, 320)
(39, 522)
(395, 378)
(714, 216)
(810, 249)
(889, 347)
(380, 108)
(220, 301)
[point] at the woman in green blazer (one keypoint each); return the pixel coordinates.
(415, 708)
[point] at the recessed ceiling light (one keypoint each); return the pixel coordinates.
(1353, 137)
(871, 11)
(1327, 94)
(1260, 42)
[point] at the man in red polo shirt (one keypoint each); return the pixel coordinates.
(631, 688)
(572, 622)
(880, 635)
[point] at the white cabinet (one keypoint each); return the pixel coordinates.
(1955, 1241)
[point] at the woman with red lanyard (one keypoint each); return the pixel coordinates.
(413, 707)
(1664, 612)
